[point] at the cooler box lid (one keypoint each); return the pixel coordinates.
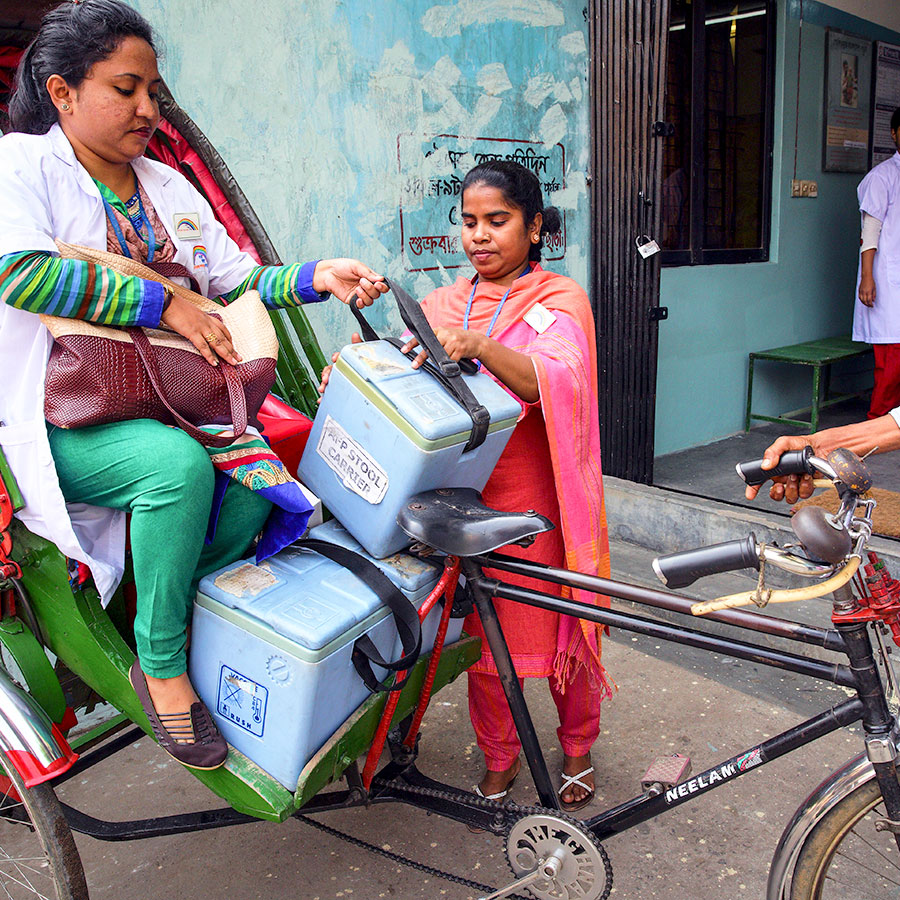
(415, 401)
(301, 597)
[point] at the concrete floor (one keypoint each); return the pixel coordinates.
(669, 700)
(708, 470)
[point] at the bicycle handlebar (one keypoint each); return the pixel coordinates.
(793, 462)
(678, 570)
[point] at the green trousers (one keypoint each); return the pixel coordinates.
(165, 480)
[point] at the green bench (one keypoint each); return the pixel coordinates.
(819, 355)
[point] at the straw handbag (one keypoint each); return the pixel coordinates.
(98, 374)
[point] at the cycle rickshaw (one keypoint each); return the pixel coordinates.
(843, 838)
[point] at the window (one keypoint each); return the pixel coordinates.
(716, 190)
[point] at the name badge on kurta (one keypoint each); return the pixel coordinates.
(539, 318)
(187, 226)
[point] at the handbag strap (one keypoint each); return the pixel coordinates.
(174, 270)
(447, 371)
(406, 617)
(237, 400)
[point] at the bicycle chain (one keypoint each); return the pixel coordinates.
(513, 813)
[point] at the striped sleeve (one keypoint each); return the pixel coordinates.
(41, 283)
(280, 286)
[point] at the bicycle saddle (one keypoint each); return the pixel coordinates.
(456, 521)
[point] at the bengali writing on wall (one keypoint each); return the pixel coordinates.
(432, 169)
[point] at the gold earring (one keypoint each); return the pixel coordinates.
(535, 238)
(64, 106)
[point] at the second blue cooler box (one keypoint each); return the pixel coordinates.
(271, 647)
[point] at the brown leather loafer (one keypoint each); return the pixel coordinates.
(208, 748)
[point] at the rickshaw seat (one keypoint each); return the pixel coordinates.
(456, 521)
(286, 429)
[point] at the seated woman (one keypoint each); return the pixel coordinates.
(84, 109)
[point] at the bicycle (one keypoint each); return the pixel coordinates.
(855, 812)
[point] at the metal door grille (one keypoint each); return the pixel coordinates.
(629, 39)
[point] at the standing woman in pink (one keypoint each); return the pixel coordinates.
(533, 332)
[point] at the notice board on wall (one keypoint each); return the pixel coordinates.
(885, 99)
(434, 167)
(848, 83)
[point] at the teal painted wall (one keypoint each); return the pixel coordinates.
(719, 314)
(306, 102)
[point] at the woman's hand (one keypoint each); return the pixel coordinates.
(867, 289)
(208, 334)
(514, 369)
(326, 372)
(346, 277)
(459, 343)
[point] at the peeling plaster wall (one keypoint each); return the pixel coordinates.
(305, 102)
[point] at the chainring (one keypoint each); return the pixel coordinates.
(585, 872)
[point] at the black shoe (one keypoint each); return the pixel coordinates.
(208, 748)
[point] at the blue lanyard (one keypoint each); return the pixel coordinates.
(151, 235)
(499, 305)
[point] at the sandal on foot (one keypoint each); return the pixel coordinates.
(498, 795)
(568, 781)
(206, 750)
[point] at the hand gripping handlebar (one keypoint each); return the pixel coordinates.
(793, 462)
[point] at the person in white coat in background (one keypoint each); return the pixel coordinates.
(876, 314)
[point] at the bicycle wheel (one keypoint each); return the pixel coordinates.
(845, 857)
(38, 856)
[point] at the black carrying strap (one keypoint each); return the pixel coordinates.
(447, 371)
(406, 617)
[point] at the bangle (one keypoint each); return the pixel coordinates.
(168, 294)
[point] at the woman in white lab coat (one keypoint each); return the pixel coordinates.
(85, 107)
(876, 315)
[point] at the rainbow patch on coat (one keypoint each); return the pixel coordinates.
(187, 226)
(201, 261)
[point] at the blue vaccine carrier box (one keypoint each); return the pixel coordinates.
(385, 431)
(414, 576)
(271, 647)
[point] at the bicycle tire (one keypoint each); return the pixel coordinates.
(845, 857)
(38, 856)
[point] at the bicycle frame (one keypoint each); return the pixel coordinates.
(401, 782)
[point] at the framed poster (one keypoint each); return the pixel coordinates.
(848, 83)
(885, 99)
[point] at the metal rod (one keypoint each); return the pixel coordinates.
(87, 760)
(138, 829)
(511, 687)
(754, 621)
(640, 809)
(677, 634)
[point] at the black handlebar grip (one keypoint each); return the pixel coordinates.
(793, 462)
(678, 570)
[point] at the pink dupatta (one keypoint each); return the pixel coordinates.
(565, 362)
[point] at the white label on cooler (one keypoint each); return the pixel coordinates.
(242, 701)
(347, 459)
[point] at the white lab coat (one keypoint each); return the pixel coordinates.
(47, 194)
(879, 196)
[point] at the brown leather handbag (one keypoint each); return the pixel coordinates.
(98, 374)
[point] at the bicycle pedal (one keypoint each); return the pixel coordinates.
(665, 772)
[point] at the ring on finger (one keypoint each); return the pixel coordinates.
(211, 338)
